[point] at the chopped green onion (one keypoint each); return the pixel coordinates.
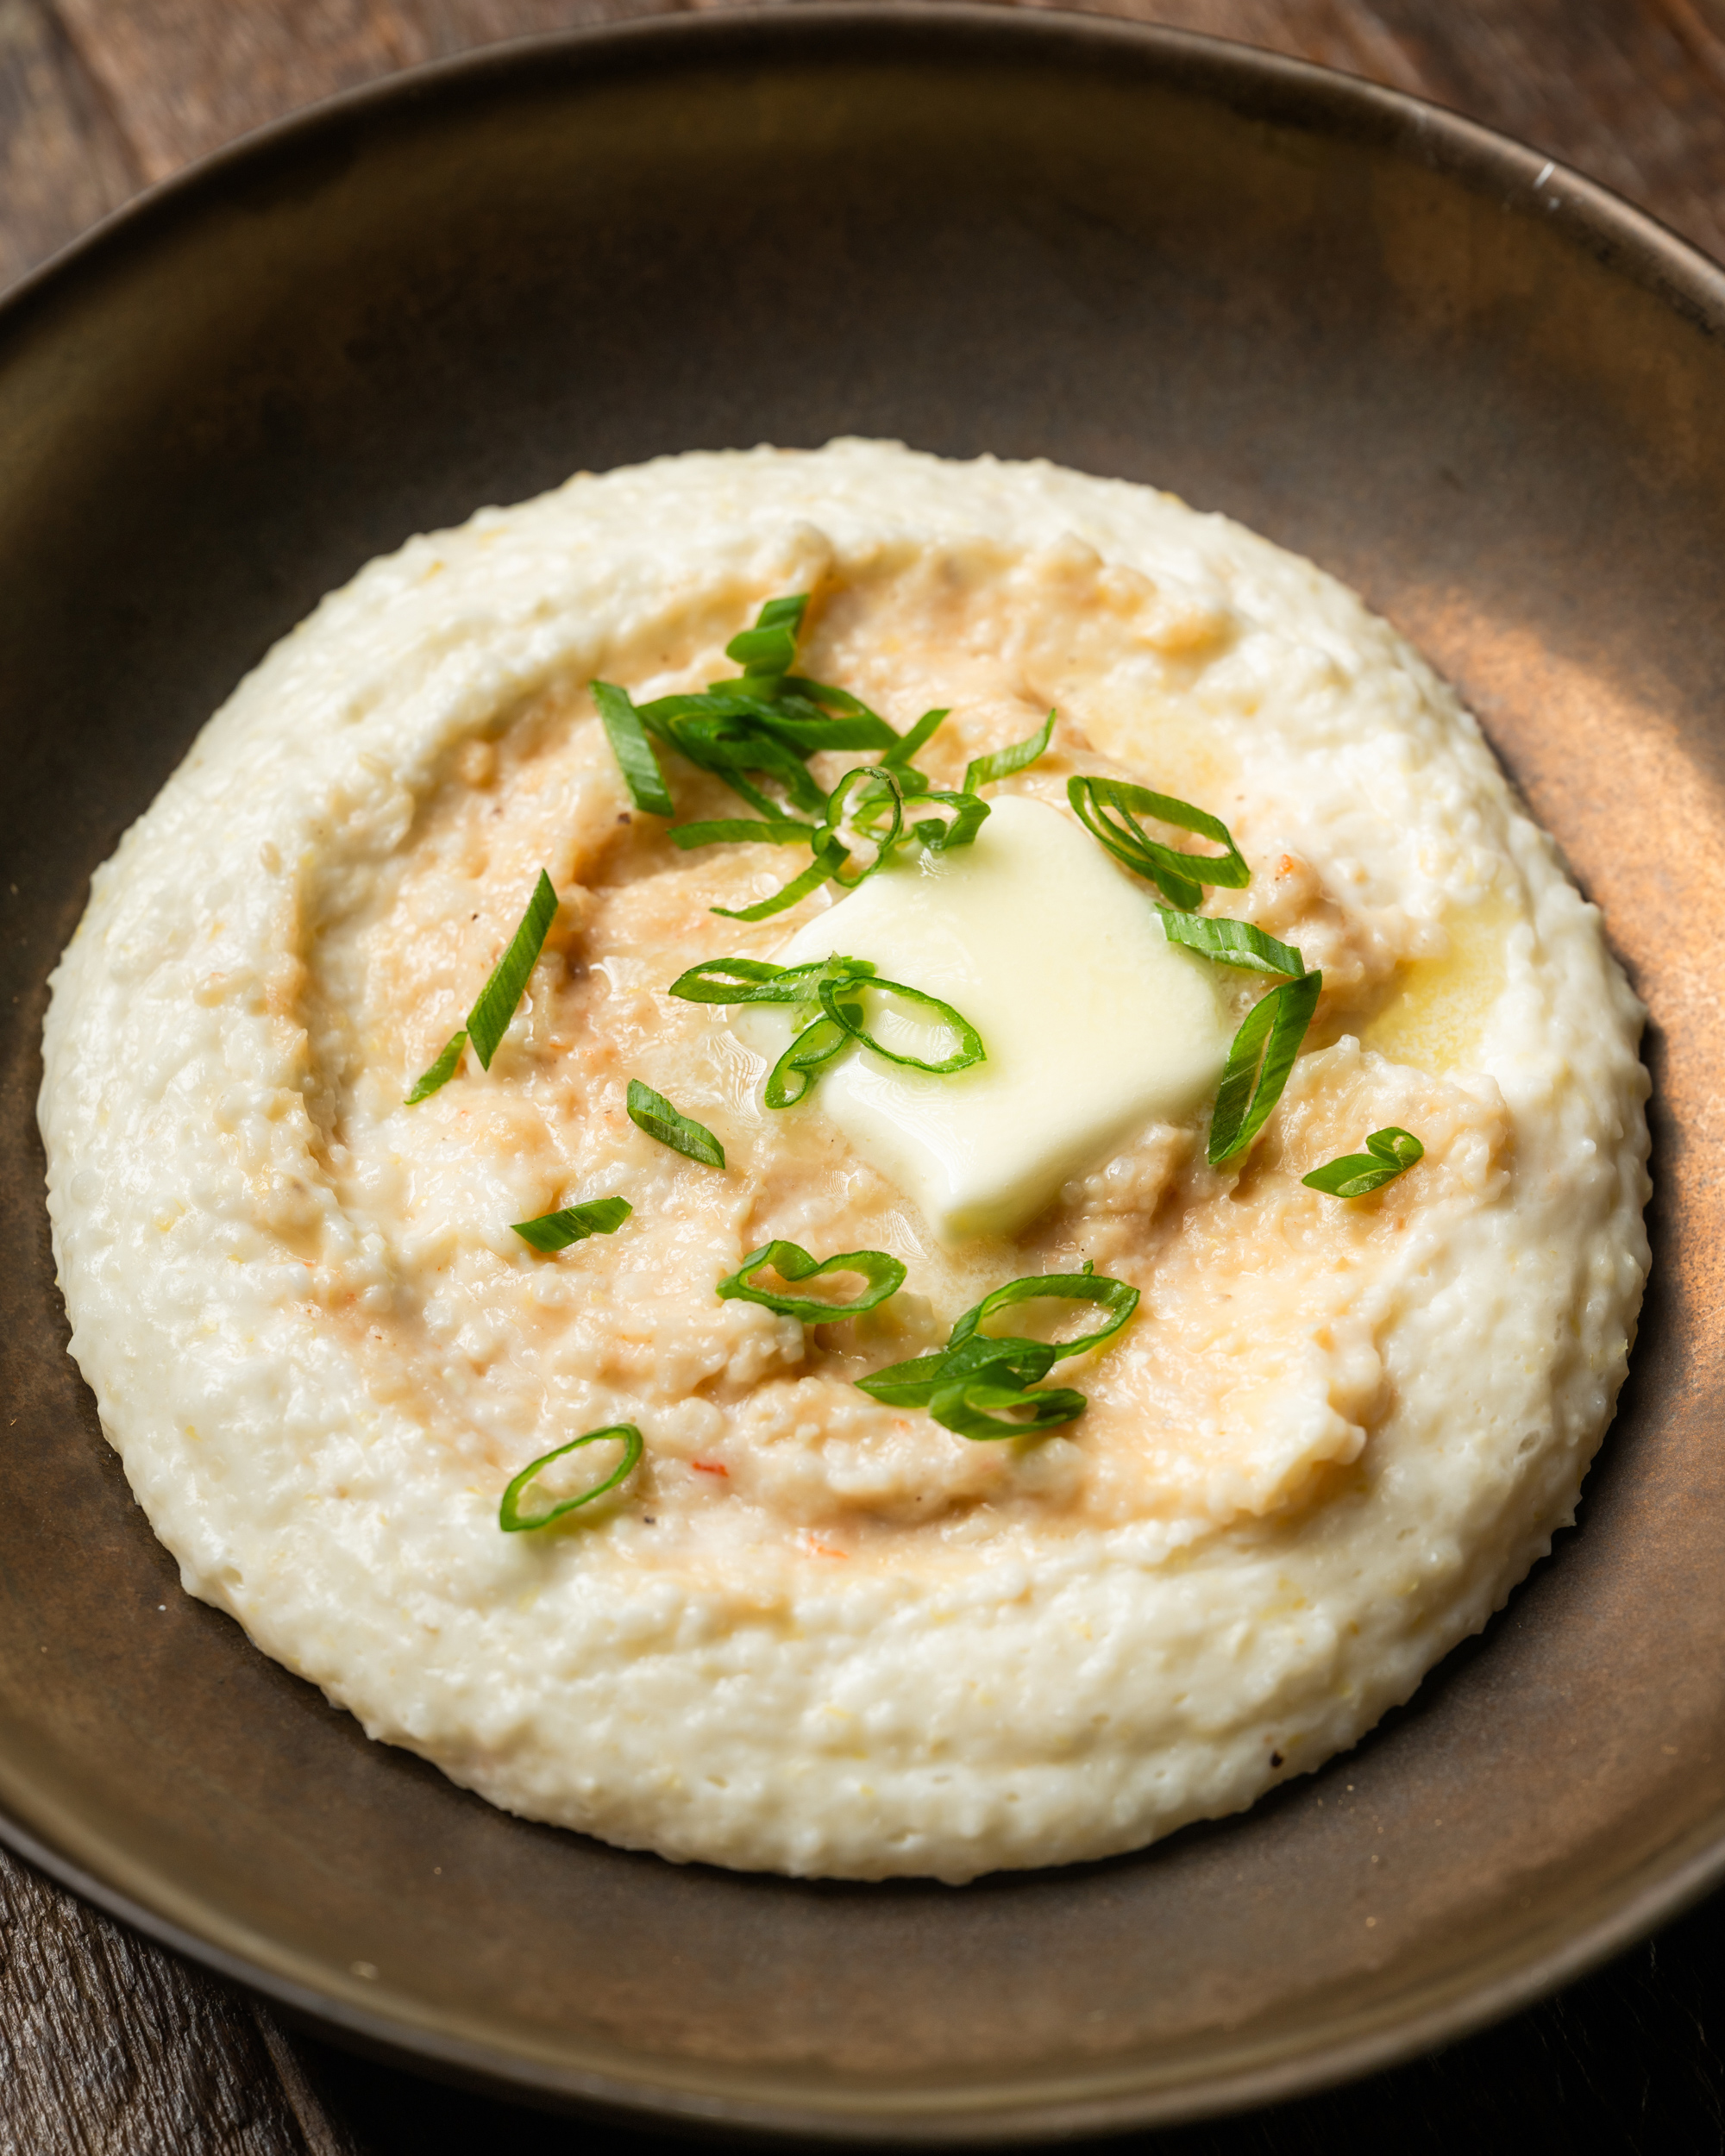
(725, 732)
(1178, 876)
(982, 770)
(885, 1275)
(841, 700)
(727, 981)
(652, 1112)
(1258, 1063)
(865, 807)
(633, 751)
(914, 1384)
(849, 1016)
(1117, 1297)
(976, 1407)
(509, 1516)
(770, 646)
(919, 737)
(815, 1045)
(969, 814)
(1232, 942)
(827, 861)
(556, 1230)
(441, 1071)
(1389, 1153)
(753, 980)
(744, 830)
(822, 981)
(979, 1381)
(803, 727)
(488, 1020)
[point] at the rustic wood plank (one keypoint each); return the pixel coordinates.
(63, 160)
(110, 2047)
(1630, 92)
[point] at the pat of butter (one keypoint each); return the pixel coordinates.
(1094, 1023)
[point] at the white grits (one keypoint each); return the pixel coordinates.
(812, 1634)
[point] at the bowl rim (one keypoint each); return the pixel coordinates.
(1629, 240)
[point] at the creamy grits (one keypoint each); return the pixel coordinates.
(810, 1631)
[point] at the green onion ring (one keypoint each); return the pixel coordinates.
(970, 1051)
(509, 1514)
(884, 1274)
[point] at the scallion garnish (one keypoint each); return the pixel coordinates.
(488, 1020)
(770, 646)
(972, 1354)
(906, 746)
(864, 809)
(743, 980)
(441, 1071)
(633, 751)
(1117, 1297)
(1389, 1153)
(823, 983)
(762, 724)
(1003, 1359)
(863, 826)
(826, 859)
(1232, 942)
(801, 1061)
(884, 1274)
(957, 819)
(976, 1408)
(983, 770)
(835, 984)
(573, 1224)
(652, 1112)
(1105, 808)
(1258, 1063)
(744, 830)
(509, 1516)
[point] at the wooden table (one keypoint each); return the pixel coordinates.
(110, 2047)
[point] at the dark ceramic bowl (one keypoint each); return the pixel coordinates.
(1479, 389)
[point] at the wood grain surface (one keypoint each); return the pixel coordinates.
(109, 2046)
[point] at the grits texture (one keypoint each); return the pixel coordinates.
(811, 1633)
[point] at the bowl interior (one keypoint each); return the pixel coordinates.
(1372, 333)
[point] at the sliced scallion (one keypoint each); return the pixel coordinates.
(977, 1407)
(828, 859)
(513, 1521)
(1002, 762)
(1389, 1153)
(864, 809)
(489, 1018)
(1117, 1297)
(742, 830)
(573, 1224)
(441, 1071)
(801, 1062)
(650, 1111)
(1241, 943)
(770, 646)
(980, 1383)
(1109, 808)
(1258, 1063)
(633, 751)
(849, 1016)
(884, 1274)
(907, 745)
